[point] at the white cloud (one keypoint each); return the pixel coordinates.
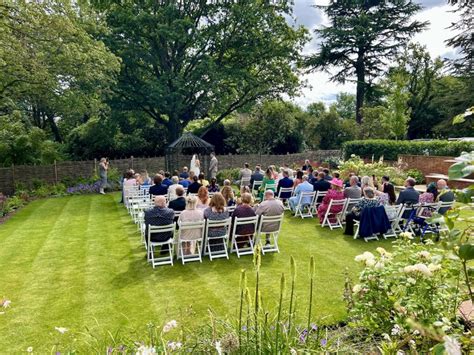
(321, 89)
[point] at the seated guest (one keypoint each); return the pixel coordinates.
(145, 178)
(256, 176)
(129, 180)
(366, 181)
(245, 173)
(184, 182)
(203, 198)
(444, 195)
(179, 203)
(310, 173)
(167, 180)
(334, 193)
(409, 195)
(191, 177)
(389, 189)
(291, 173)
(285, 182)
(202, 180)
(321, 184)
(193, 188)
(158, 188)
(160, 215)
(244, 210)
(368, 200)
(274, 172)
(216, 212)
(433, 189)
(269, 207)
(191, 214)
(267, 180)
(228, 195)
(305, 186)
(353, 191)
(306, 165)
(427, 197)
(328, 176)
(299, 178)
(172, 187)
(213, 187)
(185, 173)
(227, 182)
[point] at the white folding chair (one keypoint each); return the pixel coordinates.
(243, 221)
(393, 214)
(269, 229)
(288, 191)
(184, 227)
(301, 206)
(255, 187)
(151, 245)
(272, 187)
(219, 243)
(244, 182)
(333, 219)
(230, 209)
(314, 206)
(350, 203)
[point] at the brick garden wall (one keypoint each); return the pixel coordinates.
(53, 173)
(427, 164)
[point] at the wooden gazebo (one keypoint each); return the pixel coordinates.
(180, 152)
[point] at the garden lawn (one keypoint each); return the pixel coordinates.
(77, 262)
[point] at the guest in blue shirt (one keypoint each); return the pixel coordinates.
(285, 183)
(167, 180)
(305, 186)
(184, 182)
(158, 188)
(184, 174)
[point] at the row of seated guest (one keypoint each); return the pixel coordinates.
(161, 215)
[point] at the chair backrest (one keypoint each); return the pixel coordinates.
(244, 182)
(334, 202)
(241, 221)
(195, 225)
(256, 184)
(285, 190)
(445, 205)
(219, 224)
(306, 198)
(320, 194)
(177, 214)
(272, 224)
(393, 212)
(169, 228)
(270, 187)
(230, 209)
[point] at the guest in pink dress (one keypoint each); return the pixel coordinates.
(334, 193)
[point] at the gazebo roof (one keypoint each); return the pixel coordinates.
(189, 140)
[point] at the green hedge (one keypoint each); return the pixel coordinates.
(390, 149)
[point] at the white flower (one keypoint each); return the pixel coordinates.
(434, 267)
(357, 288)
(424, 255)
(379, 265)
(386, 337)
(418, 268)
(416, 332)
(170, 325)
(400, 352)
(451, 346)
(6, 303)
(218, 347)
(438, 323)
(367, 255)
(62, 330)
(411, 280)
(30, 349)
(396, 329)
(174, 345)
(293, 351)
(412, 343)
(370, 262)
(406, 235)
(381, 251)
(145, 350)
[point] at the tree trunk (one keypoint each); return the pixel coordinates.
(54, 128)
(360, 91)
(175, 129)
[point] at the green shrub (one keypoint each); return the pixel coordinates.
(231, 174)
(417, 175)
(390, 149)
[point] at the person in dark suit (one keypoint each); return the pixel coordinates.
(444, 195)
(193, 188)
(389, 189)
(409, 195)
(321, 184)
(178, 204)
(286, 182)
(184, 174)
(167, 180)
(327, 173)
(256, 176)
(158, 188)
(160, 215)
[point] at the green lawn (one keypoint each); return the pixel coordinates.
(77, 261)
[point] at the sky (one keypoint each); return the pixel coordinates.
(320, 88)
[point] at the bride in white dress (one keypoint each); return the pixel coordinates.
(195, 165)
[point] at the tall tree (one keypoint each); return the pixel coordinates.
(187, 60)
(363, 36)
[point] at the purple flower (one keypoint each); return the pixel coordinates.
(244, 328)
(110, 350)
(314, 326)
(324, 342)
(272, 327)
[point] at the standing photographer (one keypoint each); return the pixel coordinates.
(103, 167)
